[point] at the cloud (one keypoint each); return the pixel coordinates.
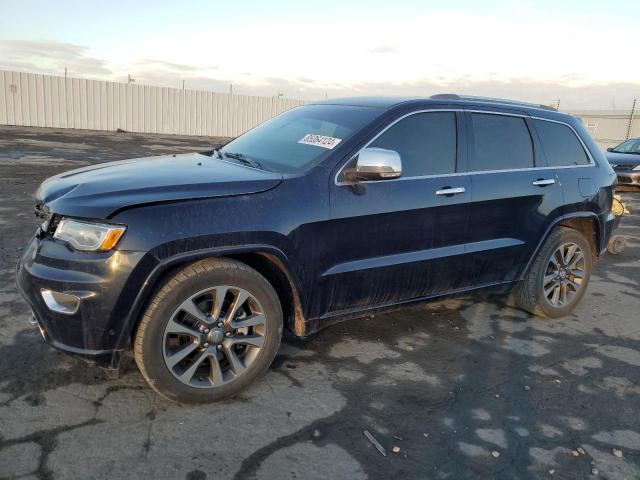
(383, 49)
(49, 57)
(574, 90)
(180, 67)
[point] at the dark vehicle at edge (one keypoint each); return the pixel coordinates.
(625, 160)
(329, 211)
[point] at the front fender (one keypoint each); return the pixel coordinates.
(155, 268)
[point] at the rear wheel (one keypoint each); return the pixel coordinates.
(210, 331)
(558, 277)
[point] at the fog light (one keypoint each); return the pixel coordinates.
(60, 302)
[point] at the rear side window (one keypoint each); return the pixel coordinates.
(500, 142)
(426, 143)
(560, 144)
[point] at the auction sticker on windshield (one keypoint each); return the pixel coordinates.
(320, 140)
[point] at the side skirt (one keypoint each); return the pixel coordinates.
(313, 325)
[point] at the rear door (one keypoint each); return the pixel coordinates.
(514, 195)
(400, 239)
(574, 168)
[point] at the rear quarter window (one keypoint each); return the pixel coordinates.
(560, 144)
(500, 142)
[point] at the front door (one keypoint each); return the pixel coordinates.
(399, 239)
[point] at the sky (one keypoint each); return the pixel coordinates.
(583, 53)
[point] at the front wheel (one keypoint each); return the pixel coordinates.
(558, 277)
(209, 332)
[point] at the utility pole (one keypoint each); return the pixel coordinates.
(130, 79)
(558, 105)
(630, 125)
(182, 84)
(231, 89)
(65, 73)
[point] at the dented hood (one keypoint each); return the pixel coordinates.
(100, 190)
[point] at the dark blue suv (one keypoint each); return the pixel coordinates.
(329, 211)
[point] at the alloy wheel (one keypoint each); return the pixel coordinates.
(564, 275)
(214, 336)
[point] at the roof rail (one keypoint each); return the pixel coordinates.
(454, 96)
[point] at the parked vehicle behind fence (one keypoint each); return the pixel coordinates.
(625, 160)
(326, 212)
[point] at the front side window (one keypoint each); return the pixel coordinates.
(294, 140)
(426, 143)
(560, 144)
(500, 142)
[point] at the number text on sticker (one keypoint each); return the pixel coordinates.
(320, 140)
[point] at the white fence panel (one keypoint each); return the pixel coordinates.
(35, 100)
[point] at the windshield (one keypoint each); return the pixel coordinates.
(295, 139)
(630, 146)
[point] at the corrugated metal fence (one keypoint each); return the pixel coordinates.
(35, 100)
(610, 127)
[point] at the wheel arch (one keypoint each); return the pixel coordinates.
(589, 227)
(269, 261)
(587, 223)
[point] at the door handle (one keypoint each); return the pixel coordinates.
(450, 191)
(543, 182)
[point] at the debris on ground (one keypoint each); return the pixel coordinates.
(575, 453)
(617, 453)
(581, 450)
(425, 435)
(552, 471)
(594, 472)
(495, 454)
(527, 387)
(395, 449)
(397, 437)
(316, 433)
(557, 381)
(375, 442)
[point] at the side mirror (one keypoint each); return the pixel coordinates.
(610, 149)
(376, 164)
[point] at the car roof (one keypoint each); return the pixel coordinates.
(451, 98)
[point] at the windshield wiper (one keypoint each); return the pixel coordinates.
(210, 153)
(242, 159)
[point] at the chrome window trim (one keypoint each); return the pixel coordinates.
(475, 172)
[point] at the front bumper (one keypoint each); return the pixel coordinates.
(628, 177)
(107, 284)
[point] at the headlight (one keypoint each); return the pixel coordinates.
(88, 236)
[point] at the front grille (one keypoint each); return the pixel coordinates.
(49, 221)
(53, 224)
(624, 168)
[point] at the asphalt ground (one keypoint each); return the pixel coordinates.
(460, 388)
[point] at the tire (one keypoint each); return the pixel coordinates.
(186, 317)
(530, 294)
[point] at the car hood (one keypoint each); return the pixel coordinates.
(100, 190)
(623, 158)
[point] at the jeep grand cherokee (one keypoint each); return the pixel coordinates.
(329, 211)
